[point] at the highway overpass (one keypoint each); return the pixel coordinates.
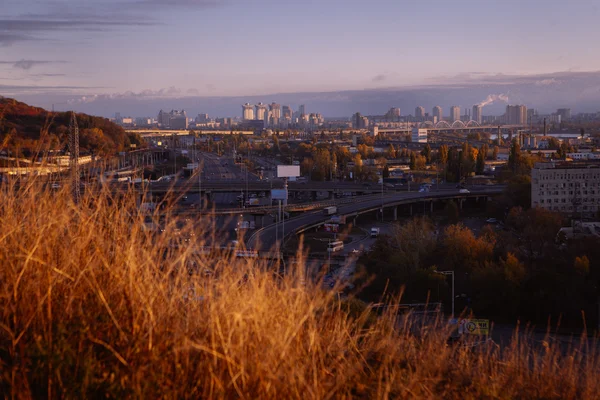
(266, 238)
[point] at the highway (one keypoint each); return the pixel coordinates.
(265, 239)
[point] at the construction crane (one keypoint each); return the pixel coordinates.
(74, 158)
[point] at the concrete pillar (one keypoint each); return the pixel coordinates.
(395, 213)
(411, 210)
(331, 195)
(313, 195)
(460, 204)
(431, 207)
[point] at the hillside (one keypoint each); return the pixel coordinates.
(25, 129)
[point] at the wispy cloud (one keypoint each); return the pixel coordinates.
(28, 64)
(171, 92)
(379, 78)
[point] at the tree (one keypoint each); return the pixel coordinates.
(413, 161)
(514, 157)
(443, 154)
(480, 163)
(391, 152)
(426, 152)
(495, 153)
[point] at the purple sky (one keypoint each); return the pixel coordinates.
(177, 48)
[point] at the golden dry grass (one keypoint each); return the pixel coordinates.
(93, 305)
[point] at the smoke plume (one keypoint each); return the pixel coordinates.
(493, 98)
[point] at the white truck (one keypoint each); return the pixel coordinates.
(374, 232)
(330, 210)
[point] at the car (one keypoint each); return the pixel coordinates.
(491, 220)
(464, 191)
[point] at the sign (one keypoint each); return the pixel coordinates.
(192, 166)
(338, 219)
(474, 327)
(279, 194)
(247, 253)
(331, 227)
(253, 201)
(288, 171)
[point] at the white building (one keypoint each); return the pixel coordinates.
(419, 135)
(247, 111)
(454, 114)
(566, 187)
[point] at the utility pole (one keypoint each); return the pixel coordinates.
(74, 158)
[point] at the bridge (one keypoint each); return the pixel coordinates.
(266, 238)
(456, 126)
(148, 133)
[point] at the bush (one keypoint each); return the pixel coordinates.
(96, 305)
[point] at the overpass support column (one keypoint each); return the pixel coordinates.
(395, 213)
(331, 195)
(431, 207)
(460, 204)
(313, 195)
(411, 210)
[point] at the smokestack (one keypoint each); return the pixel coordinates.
(544, 126)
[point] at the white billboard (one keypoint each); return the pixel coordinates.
(288, 171)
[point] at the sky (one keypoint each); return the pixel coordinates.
(77, 51)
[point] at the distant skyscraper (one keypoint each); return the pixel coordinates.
(275, 110)
(261, 110)
(286, 112)
(302, 110)
(420, 113)
(565, 113)
(516, 115)
(174, 119)
(477, 113)
(438, 113)
(393, 113)
(248, 111)
(454, 113)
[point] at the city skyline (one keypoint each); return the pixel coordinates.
(46, 53)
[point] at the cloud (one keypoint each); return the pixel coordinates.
(379, 78)
(28, 64)
(171, 92)
(7, 39)
(34, 89)
(182, 3)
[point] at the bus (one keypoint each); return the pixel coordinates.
(335, 246)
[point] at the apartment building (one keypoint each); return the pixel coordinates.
(571, 188)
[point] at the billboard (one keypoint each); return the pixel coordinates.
(288, 171)
(338, 219)
(474, 326)
(279, 194)
(331, 227)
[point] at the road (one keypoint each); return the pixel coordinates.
(265, 239)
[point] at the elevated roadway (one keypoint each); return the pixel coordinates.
(265, 238)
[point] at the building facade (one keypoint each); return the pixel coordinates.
(516, 115)
(419, 135)
(572, 188)
(420, 113)
(247, 111)
(454, 114)
(438, 114)
(261, 111)
(477, 116)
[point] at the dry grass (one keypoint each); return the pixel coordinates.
(93, 305)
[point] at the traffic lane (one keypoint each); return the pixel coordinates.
(267, 235)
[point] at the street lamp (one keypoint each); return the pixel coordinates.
(452, 274)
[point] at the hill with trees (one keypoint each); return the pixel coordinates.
(27, 130)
